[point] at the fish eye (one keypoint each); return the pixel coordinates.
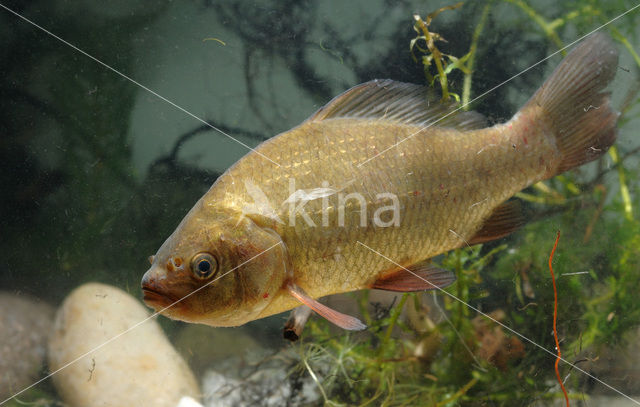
(204, 265)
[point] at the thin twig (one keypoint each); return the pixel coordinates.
(555, 318)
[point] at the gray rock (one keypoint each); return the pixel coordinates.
(271, 384)
(25, 324)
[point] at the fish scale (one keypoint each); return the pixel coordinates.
(425, 219)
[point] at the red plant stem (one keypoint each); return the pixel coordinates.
(555, 318)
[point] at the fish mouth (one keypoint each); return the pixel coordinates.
(158, 300)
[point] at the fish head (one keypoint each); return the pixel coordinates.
(217, 268)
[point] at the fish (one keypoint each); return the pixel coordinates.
(384, 171)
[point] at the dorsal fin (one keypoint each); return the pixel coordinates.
(398, 102)
(505, 219)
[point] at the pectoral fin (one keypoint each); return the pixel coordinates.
(418, 277)
(331, 315)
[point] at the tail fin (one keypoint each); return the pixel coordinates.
(573, 105)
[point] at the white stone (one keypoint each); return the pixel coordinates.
(187, 401)
(136, 368)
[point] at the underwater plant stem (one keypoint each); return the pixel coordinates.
(461, 285)
(363, 302)
(555, 318)
(466, 85)
(542, 187)
(459, 393)
(541, 199)
(393, 318)
(548, 28)
(315, 379)
(624, 189)
(616, 34)
(455, 330)
(589, 230)
(437, 56)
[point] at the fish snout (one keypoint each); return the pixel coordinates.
(154, 292)
(151, 278)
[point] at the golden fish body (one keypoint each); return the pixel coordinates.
(446, 183)
(377, 167)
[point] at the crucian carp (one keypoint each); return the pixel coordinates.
(385, 164)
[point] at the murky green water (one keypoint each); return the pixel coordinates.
(108, 140)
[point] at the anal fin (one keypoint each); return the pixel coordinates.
(342, 320)
(505, 219)
(418, 277)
